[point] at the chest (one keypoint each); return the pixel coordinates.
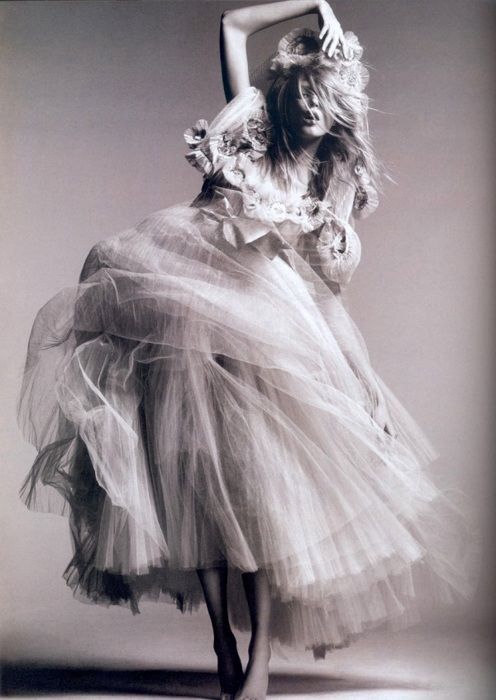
(284, 200)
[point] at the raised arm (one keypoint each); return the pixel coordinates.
(237, 25)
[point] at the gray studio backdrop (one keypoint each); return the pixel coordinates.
(95, 99)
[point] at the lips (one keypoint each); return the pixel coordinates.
(311, 118)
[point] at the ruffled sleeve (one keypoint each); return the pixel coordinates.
(339, 251)
(241, 129)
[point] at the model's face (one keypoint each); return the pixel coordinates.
(308, 121)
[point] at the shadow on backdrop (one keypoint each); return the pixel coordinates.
(38, 680)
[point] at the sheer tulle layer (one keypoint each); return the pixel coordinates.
(197, 404)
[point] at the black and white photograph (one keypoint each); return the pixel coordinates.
(248, 349)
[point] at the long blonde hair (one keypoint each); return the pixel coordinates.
(348, 140)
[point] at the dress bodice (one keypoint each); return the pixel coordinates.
(240, 183)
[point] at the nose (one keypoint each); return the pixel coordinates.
(313, 107)
(312, 100)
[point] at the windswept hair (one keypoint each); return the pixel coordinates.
(348, 139)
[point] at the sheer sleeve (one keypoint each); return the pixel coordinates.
(365, 200)
(335, 249)
(242, 128)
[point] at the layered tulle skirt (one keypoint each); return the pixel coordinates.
(196, 404)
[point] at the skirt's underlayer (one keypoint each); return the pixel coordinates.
(198, 405)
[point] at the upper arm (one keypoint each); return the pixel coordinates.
(233, 56)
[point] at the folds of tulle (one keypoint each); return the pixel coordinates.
(197, 404)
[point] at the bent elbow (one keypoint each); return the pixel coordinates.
(226, 19)
(229, 20)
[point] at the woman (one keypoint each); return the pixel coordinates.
(203, 406)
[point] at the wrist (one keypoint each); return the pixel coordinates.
(322, 5)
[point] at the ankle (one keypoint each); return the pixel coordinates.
(259, 645)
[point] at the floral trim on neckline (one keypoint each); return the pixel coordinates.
(232, 158)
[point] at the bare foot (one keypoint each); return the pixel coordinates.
(229, 666)
(257, 674)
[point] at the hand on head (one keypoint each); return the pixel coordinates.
(331, 33)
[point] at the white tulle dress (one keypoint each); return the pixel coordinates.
(202, 398)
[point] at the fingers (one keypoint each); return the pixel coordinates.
(334, 43)
(331, 37)
(330, 41)
(325, 37)
(347, 53)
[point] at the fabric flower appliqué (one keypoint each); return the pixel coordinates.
(234, 175)
(212, 152)
(196, 134)
(365, 201)
(251, 198)
(339, 249)
(255, 138)
(353, 49)
(313, 213)
(277, 211)
(302, 47)
(223, 144)
(199, 160)
(360, 172)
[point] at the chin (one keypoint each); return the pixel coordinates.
(313, 132)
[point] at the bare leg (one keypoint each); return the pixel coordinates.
(214, 584)
(257, 672)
